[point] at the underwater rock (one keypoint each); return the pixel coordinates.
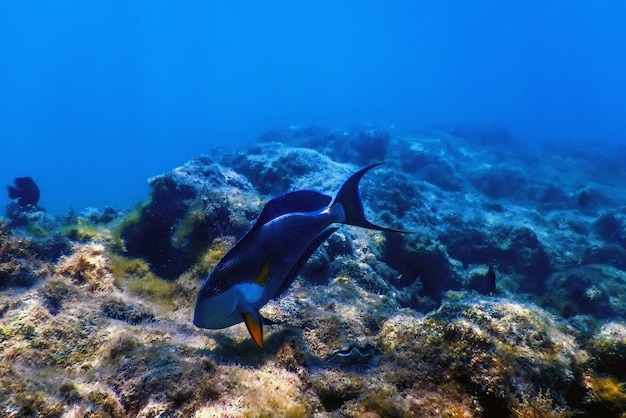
(101, 335)
(482, 280)
(133, 314)
(421, 260)
(550, 196)
(611, 254)
(608, 350)
(32, 221)
(523, 253)
(432, 166)
(359, 145)
(87, 267)
(366, 146)
(338, 244)
(502, 181)
(605, 393)
(610, 226)
(275, 169)
(188, 208)
(472, 244)
(19, 264)
(97, 216)
(361, 272)
(335, 388)
(591, 198)
(56, 292)
(499, 350)
(594, 289)
(399, 197)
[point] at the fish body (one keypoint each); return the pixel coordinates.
(491, 280)
(25, 190)
(267, 259)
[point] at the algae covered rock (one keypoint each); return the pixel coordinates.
(187, 209)
(608, 350)
(275, 168)
(132, 313)
(501, 181)
(433, 165)
(422, 261)
(610, 226)
(500, 350)
(19, 264)
(594, 289)
(360, 145)
(374, 326)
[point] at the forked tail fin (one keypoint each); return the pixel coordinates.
(349, 198)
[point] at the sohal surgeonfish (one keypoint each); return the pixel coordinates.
(267, 259)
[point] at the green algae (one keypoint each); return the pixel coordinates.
(607, 393)
(122, 267)
(160, 291)
(195, 217)
(55, 292)
(134, 275)
(212, 255)
(19, 266)
(133, 314)
(26, 396)
(106, 401)
(488, 339)
(83, 231)
(142, 370)
(384, 403)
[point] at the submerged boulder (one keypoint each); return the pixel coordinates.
(595, 289)
(188, 208)
(505, 353)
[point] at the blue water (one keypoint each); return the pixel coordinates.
(95, 97)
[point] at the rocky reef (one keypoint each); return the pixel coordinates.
(96, 307)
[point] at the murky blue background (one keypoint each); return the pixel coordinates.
(97, 96)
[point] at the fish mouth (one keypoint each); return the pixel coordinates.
(217, 312)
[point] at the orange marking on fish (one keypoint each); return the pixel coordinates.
(255, 329)
(263, 273)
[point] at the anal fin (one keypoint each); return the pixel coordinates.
(254, 323)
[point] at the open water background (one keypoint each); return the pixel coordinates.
(95, 97)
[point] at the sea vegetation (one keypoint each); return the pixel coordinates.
(187, 209)
(19, 264)
(96, 308)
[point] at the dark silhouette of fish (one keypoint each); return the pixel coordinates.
(267, 259)
(491, 280)
(25, 190)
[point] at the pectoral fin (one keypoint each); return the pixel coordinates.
(254, 323)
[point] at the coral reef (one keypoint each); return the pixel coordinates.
(95, 308)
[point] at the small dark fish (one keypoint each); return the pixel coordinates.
(267, 259)
(491, 280)
(25, 190)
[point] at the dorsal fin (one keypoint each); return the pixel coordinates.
(298, 201)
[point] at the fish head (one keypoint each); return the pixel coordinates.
(216, 311)
(224, 309)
